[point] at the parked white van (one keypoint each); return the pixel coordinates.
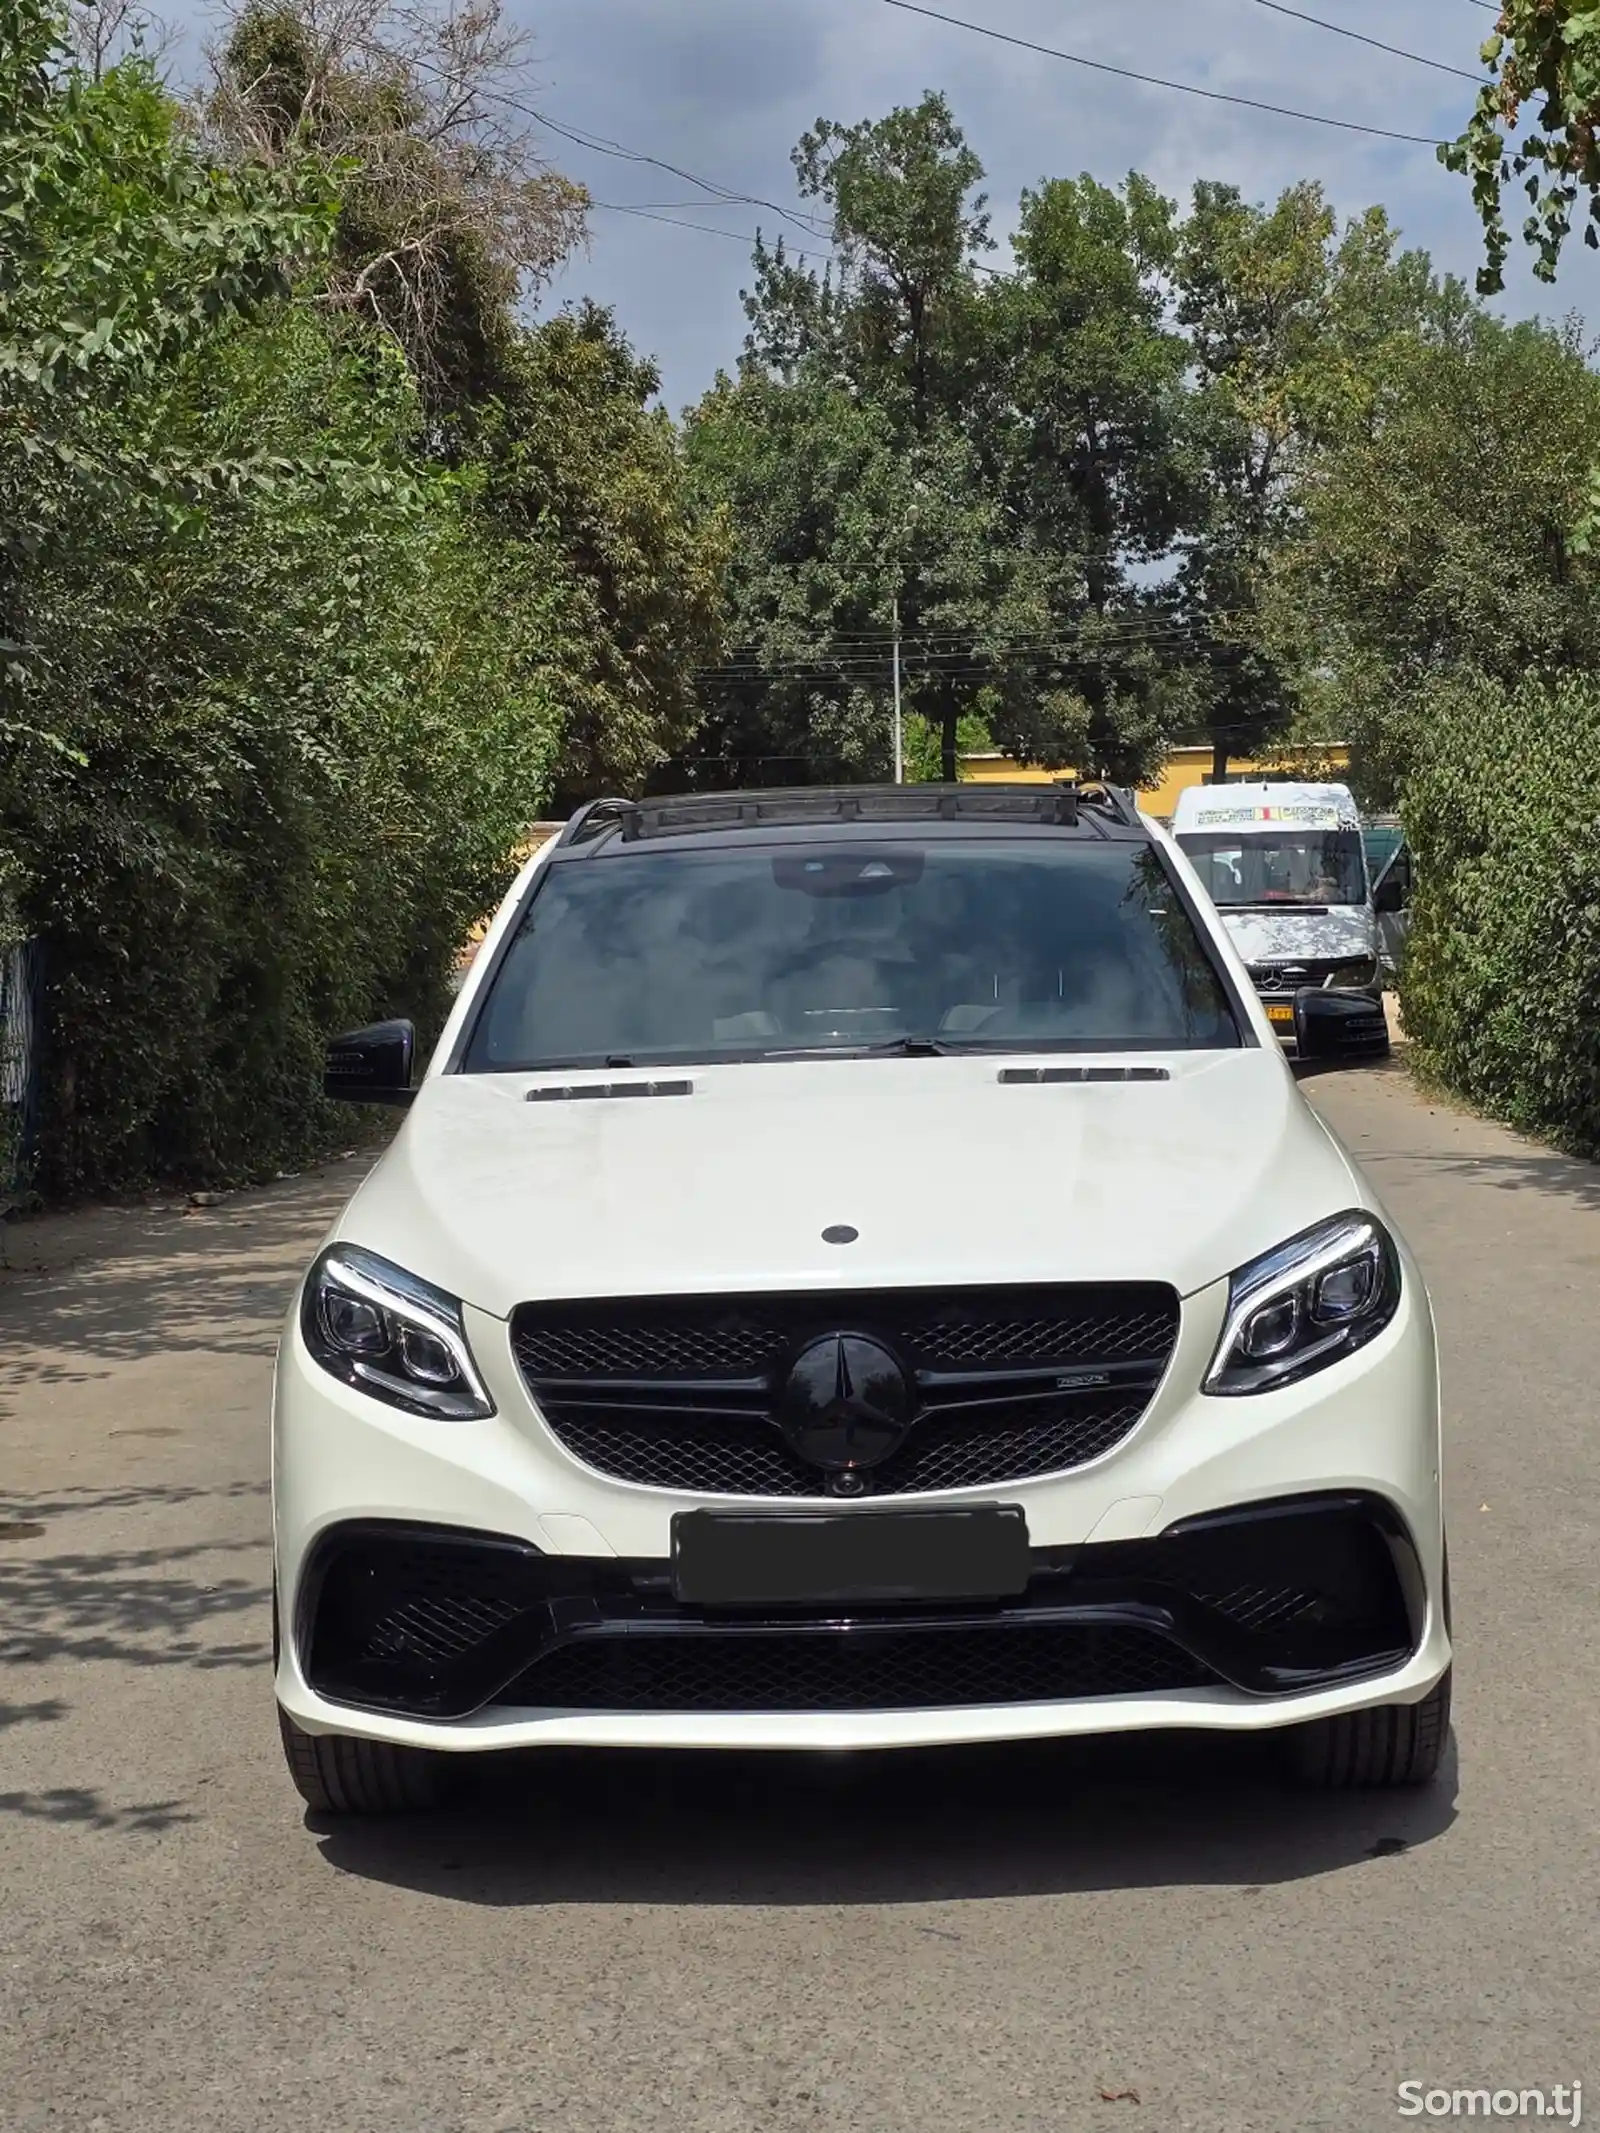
(1285, 865)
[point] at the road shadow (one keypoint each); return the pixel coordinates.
(920, 1826)
(1516, 1164)
(1526, 1169)
(77, 1806)
(139, 1607)
(178, 1604)
(1391, 1067)
(163, 1282)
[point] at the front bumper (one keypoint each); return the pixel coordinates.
(537, 1606)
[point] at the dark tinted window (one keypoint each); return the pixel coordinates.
(1285, 867)
(777, 949)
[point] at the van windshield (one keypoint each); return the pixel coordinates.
(1290, 866)
(795, 949)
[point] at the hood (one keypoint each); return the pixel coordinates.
(1303, 936)
(948, 1174)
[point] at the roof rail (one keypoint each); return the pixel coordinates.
(595, 817)
(1065, 804)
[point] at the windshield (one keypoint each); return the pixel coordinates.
(1317, 867)
(772, 951)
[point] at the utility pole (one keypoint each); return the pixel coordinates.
(899, 749)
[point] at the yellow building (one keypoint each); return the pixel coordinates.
(1185, 767)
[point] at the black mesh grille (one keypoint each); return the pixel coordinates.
(904, 1670)
(974, 1342)
(683, 1393)
(655, 1348)
(1263, 1609)
(940, 1455)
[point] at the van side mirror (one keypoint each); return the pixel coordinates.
(372, 1065)
(1389, 897)
(1339, 1025)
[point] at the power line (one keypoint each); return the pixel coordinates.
(1186, 88)
(954, 666)
(599, 144)
(1134, 623)
(1338, 29)
(709, 229)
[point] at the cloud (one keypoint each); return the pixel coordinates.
(724, 88)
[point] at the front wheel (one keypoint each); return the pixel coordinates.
(337, 1775)
(1395, 1744)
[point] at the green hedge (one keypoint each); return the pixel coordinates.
(307, 732)
(1501, 990)
(276, 694)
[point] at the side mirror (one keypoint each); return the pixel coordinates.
(372, 1065)
(1389, 897)
(1339, 1025)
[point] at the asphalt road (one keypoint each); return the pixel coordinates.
(981, 1943)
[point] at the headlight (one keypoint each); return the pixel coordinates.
(1353, 977)
(374, 1326)
(1311, 1301)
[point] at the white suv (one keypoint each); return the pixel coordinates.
(857, 1271)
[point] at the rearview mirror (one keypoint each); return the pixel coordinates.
(1339, 1025)
(372, 1065)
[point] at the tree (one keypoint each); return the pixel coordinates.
(1288, 322)
(448, 212)
(582, 472)
(909, 228)
(1435, 539)
(274, 708)
(1545, 55)
(101, 32)
(1088, 437)
(122, 256)
(979, 458)
(448, 219)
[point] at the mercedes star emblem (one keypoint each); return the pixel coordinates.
(846, 1402)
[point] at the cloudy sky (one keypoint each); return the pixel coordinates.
(723, 88)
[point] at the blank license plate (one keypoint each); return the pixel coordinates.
(729, 1559)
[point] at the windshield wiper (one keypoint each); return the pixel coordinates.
(909, 1047)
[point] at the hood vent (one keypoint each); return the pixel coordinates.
(594, 1091)
(1084, 1073)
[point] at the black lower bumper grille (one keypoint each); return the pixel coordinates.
(873, 1670)
(1268, 1600)
(1001, 1385)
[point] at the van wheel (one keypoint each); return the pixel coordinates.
(1395, 1744)
(336, 1775)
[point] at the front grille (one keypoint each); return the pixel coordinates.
(684, 1393)
(1284, 979)
(871, 1670)
(957, 1455)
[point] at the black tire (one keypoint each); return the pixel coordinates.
(336, 1775)
(1395, 1744)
